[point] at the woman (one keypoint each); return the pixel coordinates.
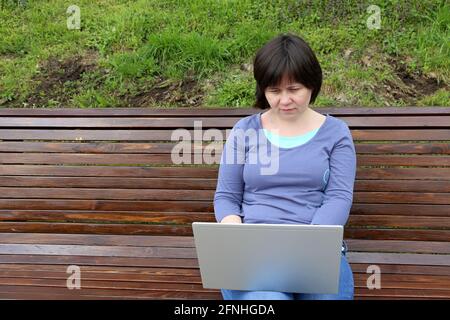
(315, 155)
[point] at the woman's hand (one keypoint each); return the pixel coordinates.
(232, 218)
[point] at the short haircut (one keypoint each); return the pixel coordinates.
(285, 55)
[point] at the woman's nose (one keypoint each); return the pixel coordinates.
(285, 98)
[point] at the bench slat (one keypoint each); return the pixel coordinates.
(399, 258)
(109, 271)
(204, 172)
(155, 294)
(166, 206)
(187, 218)
(167, 147)
(200, 195)
(216, 112)
(102, 240)
(105, 171)
(165, 135)
(398, 246)
(201, 184)
(108, 182)
(397, 234)
(185, 230)
(100, 251)
(96, 261)
(155, 217)
(147, 159)
(206, 122)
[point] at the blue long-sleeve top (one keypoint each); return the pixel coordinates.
(263, 182)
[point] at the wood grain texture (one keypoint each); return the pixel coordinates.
(98, 188)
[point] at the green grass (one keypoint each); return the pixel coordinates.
(137, 44)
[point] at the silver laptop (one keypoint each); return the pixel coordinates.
(269, 257)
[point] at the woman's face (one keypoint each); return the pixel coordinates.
(288, 98)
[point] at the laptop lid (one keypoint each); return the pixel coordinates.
(269, 257)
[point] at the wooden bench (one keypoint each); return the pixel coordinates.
(97, 189)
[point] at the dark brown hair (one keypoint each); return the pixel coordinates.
(285, 55)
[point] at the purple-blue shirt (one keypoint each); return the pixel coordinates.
(311, 183)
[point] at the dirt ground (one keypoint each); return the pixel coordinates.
(59, 80)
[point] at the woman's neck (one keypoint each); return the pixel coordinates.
(290, 125)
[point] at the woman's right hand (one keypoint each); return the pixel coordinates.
(232, 218)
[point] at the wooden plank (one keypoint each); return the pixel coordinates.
(93, 217)
(389, 281)
(392, 221)
(411, 210)
(187, 218)
(222, 112)
(165, 135)
(98, 261)
(401, 185)
(108, 285)
(113, 194)
(109, 171)
(402, 269)
(205, 122)
(105, 147)
(96, 135)
(200, 183)
(167, 147)
(397, 234)
(399, 258)
(396, 246)
(136, 273)
(404, 293)
(143, 272)
(107, 205)
(400, 135)
(403, 173)
(100, 240)
(206, 172)
(113, 182)
(198, 195)
(185, 230)
(404, 148)
(141, 122)
(152, 294)
(99, 251)
(401, 197)
(102, 206)
(62, 274)
(104, 228)
(406, 160)
(147, 159)
(156, 112)
(73, 159)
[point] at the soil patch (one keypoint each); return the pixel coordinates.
(59, 80)
(411, 86)
(181, 93)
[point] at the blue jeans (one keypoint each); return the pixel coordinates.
(345, 292)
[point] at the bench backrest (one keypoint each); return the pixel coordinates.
(110, 171)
